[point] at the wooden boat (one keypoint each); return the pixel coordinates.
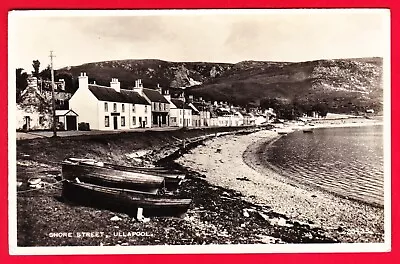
(112, 178)
(171, 180)
(123, 200)
(283, 131)
(308, 130)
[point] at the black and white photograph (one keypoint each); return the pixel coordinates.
(199, 131)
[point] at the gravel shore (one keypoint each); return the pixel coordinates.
(231, 162)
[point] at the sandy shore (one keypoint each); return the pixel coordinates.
(231, 162)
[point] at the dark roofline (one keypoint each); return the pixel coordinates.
(108, 94)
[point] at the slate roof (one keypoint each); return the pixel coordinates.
(104, 93)
(200, 106)
(154, 96)
(179, 104)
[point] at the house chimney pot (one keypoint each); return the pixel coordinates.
(83, 81)
(115, 84)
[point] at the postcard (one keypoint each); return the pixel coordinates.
(199, 131)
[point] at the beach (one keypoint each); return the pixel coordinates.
(234, 199)
(231, 162)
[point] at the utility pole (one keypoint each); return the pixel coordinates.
(183, 108)
(53, 102)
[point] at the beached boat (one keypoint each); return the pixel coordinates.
(308, 130)
(124, 200)
(109, 177)
(172, 179)
(284, 131)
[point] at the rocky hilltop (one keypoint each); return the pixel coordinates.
(345, 85)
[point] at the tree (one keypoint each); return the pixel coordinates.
(36, 67)
(21, 82)
(46, 73)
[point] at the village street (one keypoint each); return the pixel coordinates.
(71, 133)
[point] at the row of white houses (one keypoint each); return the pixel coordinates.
(114, 108)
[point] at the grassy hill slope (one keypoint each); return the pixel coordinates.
(345, 85)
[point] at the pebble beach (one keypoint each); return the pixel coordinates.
(232, 162)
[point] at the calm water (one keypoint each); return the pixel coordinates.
(345, 161)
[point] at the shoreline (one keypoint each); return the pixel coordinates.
(216, 216)
(345, 220)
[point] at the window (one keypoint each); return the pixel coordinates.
(115, 107)
(134, 120)
(180, 112)
(173, 119)
(180, 120)
(107, 121)
(162, 106)
(123, 121)
(123, 108)
(41, 119)
(105, 107)
(133, 108)
(145, 120)
(145, 108)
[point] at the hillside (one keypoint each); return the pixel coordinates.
(345, 85)
(167, 74)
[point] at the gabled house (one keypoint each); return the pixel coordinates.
(201, 112)
(159, 105)
(33, 111)
(180, 113)
(110, 108)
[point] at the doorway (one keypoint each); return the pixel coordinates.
(71, 122)
(115, 122)
(27, 123)
(140, 121)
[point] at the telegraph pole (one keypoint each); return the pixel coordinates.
(53, 101)
(183, 108)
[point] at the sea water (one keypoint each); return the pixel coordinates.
(344, 161)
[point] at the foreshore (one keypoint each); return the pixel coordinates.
(232, 162)
(232, 203)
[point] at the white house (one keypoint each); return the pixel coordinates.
(201, 114)
(180, 113)
(159, 104)
(67, 119)
(110, 108)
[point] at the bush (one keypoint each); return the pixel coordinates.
(60, 126)
(84, 126)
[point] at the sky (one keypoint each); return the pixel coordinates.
(78, 37)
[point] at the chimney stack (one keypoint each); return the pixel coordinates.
(138, 87)
(83, 81)
(167, 95)
(115, 84)
(159, 89)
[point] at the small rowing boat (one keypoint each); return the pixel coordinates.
(124, 200)
(172, 178)
(109, 177)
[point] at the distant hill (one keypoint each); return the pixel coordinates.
(345, 85)
(152, 72)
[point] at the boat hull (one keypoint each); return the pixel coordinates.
(112, 178)
(121, 200)
(172, 179)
